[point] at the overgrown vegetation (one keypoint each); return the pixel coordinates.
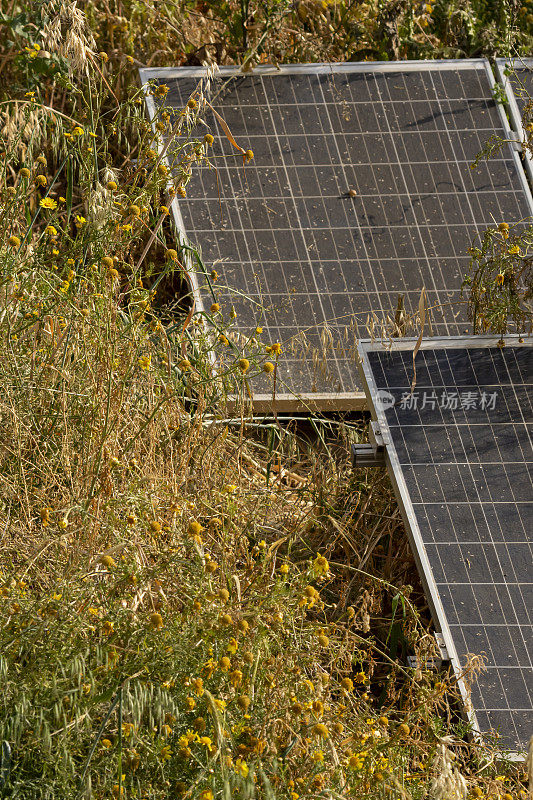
(190, 606)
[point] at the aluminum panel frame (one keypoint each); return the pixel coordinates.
(502, 64)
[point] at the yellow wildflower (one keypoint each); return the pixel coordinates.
(347, 685)
(241, 768)
(356, 761)
(225, 663)
(320, 565)
(165, 753)
(320, 730)
(207, 742)
(236, 677)
(156, 621)
(48, 203)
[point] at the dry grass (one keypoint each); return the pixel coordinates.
(190, 606)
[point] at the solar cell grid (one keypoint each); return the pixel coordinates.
(461, 452)
(284, 230)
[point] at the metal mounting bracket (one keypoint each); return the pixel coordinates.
(443, 650)
(371, 454)
(433, 663)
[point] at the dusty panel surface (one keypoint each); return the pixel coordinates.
(301, 257)
(462, 448)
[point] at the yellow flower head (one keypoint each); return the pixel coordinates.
(48, 203)
(156, 621)
(320, 730)
(347, 685)
(241, 768)
(165, 753)
(404, 729)
(356, 761)
(145, 361)
(225, 663)
(243, 701)
(320, 565)
(195, 528)
(236, 677)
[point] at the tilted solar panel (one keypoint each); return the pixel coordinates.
(460, 453)
(360, 189)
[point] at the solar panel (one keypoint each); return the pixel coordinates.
(361, 188)
(459, 450)
(517, 79)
